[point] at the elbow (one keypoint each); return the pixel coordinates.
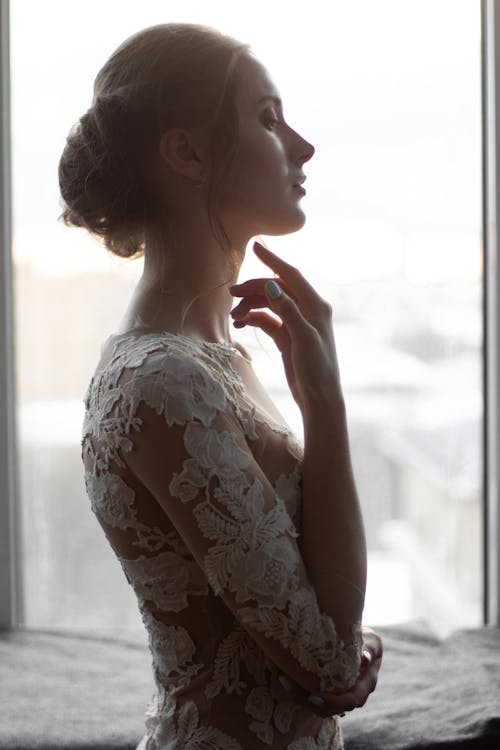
(331, 670)
(343, 670)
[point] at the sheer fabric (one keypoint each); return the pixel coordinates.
(199, 494)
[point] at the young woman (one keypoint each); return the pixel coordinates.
(245, 548)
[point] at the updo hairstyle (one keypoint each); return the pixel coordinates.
(168, 75)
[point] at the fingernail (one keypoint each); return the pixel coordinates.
(316, 700)
(258, 246)
(286, 683)
(273, 289)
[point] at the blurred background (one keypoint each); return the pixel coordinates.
(389, 93)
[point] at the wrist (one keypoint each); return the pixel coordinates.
(327, 408)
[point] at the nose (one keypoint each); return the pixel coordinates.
(304, 150)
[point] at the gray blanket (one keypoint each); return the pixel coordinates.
(431, 693)
(67, 690)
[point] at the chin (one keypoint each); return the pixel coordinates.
(287, 225)
(265, 219)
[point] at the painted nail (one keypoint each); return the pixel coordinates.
(316, 700)
(286, 683)
(273, 289)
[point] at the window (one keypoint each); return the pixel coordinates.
(392, 239)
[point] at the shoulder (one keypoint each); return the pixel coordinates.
(168, 375)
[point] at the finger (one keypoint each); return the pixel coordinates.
(372, 637)
(248, 287)
(347, 701)
(330, 705)
(269, 325)
(366, 658)
(286, 271)
(304, 293)
(280, 303)
(249, 302)
(255, 287)
(358, 693)
(362, 690)
(337, 704)
(322, 704)
(373, 642)
(324, 710)
(366, 684)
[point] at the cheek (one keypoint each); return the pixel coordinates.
(258, 188)
(260, 162)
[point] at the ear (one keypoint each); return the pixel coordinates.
(181, 150)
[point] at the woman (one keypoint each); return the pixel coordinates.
(246, 550)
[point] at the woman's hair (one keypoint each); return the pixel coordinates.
(168, 75)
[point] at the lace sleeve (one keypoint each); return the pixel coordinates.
(187, 447)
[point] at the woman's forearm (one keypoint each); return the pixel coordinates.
(332, 542)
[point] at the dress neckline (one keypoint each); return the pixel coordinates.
(222, 345)
(259, 413)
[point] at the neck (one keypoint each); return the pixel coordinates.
(177, 270)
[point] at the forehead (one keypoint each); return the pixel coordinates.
(253, 81)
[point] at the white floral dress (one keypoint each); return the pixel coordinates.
(199, 495)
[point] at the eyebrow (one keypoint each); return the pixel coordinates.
(275, 99)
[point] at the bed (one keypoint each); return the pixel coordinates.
(59, 688)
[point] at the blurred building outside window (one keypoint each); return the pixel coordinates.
(389, 94)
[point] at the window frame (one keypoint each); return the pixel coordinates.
(11, 594)
(490, 86)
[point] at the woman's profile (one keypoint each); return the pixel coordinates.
(245, 548)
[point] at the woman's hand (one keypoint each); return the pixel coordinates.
(357, 695)
(306, 342)
(305, 335)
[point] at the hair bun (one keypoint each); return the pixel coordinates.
(100, 174)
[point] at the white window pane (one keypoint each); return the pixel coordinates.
(389, 94)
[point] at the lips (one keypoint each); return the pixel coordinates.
(299, 182)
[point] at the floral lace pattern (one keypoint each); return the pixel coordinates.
(208, 542)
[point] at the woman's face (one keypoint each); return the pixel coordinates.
(260, 194)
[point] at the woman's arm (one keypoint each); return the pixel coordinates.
(333, 540)
(184, 443)
(326, 704)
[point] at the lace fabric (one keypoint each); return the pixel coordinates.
(174, 454)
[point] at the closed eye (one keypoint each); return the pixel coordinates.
(272, 118)
(271, 124)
